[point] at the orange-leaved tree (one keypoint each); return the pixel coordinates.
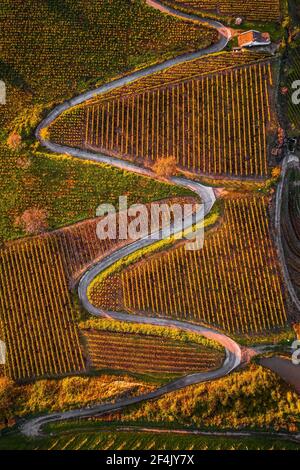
(33, 220)
(165, 166)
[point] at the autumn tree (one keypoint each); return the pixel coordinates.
(14, 140)
(33, 220)
(45, 134)
(276, 172)
(165, 166)
(7, 399)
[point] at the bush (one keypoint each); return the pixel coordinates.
(14, 141)
(33, 220)
(165, 167)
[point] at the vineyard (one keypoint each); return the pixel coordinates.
(213, 114)
(36, 315)
(98, 439)
(290, 227)
(73, 191)
(234, 282)
(36, 311)
(89, 360)
(110, 37)
(150, 354)
(260, 10)
(148, 441)
(54, 30)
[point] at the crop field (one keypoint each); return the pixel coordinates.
(215, 115)
(150, 354)
(234, 282)
(110, 38)
(67, 189)
(37, 315)
(36, 308)
(290, 227)
(108, 439)
(80, 246)
(258, 10)
(36, 311)
(106, 36)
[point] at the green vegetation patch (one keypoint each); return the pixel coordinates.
(149, 330)
(67, 189)
(109, 439)
(252, 398)
(52, 50)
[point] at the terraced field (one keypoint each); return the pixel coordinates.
(37, 313)
(106, 36)
(37, 317)
(214, 114)
(258, 10)
(234, 282)
(148, 354)
(116, 440)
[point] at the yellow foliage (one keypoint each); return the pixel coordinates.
(165, 166)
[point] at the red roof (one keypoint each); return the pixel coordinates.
(250, 37)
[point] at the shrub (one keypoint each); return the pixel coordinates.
(165, 166)
(33, 220)
(14, 140)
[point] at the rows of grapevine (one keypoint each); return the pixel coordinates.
(260, 10)
(214, 116)
(79, 247)
(97, 439)
(36, 311)
(234, 282)
(188, 70)
(290, 227)
(36, 315)
(73, 135)
(79, 244)
(216, 124)
(138, 353)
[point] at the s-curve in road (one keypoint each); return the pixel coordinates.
(233, 354)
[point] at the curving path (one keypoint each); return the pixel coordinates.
(233, 351)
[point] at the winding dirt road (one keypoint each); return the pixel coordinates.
(233, 351)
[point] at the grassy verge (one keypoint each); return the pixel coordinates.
(149, 330)
(278, 338)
